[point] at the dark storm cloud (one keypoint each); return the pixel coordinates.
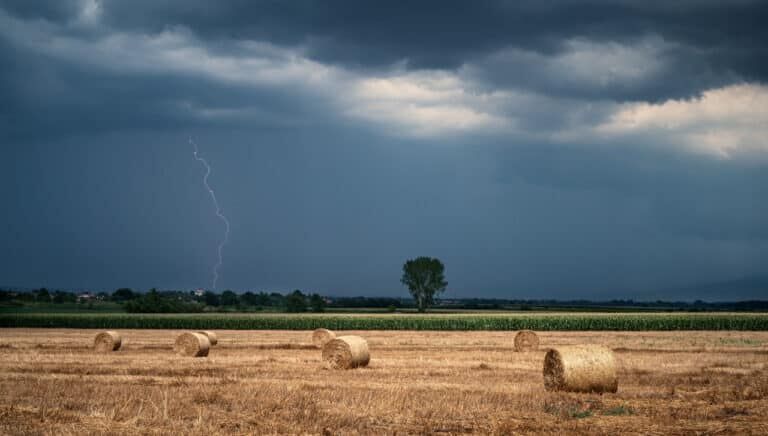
(47, 95)
(653, 70)
(321, 175)
(702, 44)
(451, 30)
(713, 40)
(52, 10)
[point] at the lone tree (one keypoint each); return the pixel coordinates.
(425, 278)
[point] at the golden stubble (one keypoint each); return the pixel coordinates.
(52, 382)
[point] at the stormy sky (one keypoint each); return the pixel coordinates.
(576, 149)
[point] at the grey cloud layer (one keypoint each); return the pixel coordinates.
(513, 139)
(445, 33)
(705, 43)
(504, 63)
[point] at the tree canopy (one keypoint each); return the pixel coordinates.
(425, 278)
(296, 302)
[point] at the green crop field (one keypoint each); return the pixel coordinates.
(468, 321)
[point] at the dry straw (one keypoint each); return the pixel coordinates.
(108, 341)
(346, 352)
(211, 337)
(192, 345)
(526, 340)
(580, 368)
(320, 337)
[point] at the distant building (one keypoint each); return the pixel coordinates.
(86, 296)
(198, 292)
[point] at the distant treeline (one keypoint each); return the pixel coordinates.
(155, 301)
(173, 301)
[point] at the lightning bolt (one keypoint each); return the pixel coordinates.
(218, 212)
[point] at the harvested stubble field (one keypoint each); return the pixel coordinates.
(417, 382)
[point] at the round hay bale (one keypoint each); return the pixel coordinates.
(320, 337)
(211, 337)
(346, 352)
(526, 340)
(580, 368)
(108, 341)
(192, 345)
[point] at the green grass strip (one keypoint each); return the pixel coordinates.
(541, 322)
